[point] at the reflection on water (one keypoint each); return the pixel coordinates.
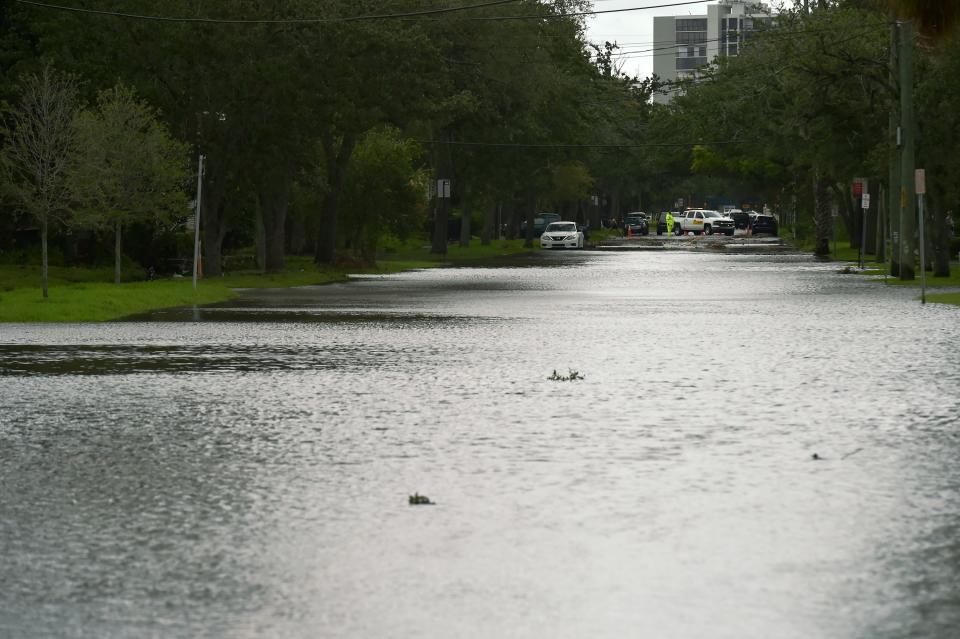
(244, 471)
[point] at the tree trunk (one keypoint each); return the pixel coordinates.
(441, 222)
(465, 216)
(117, 251)
(444, 164)
(513, 222)
(939, 234)
(338, 158)
(870, 220)
(530, 207)
(822, 217)
(261, 239)
(880, 227)
(213, 217)
(274, 200)
(843, 195)
(489, 222)
(44, 269)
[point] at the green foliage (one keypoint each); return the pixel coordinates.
(571, 182)
(383, 190)
(125, 164)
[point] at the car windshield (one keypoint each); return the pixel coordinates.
(710, 214)
(562, 227)
(635, 219)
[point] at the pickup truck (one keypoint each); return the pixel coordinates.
(702, 221)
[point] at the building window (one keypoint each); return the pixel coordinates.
(703, 52)
(691, 24)
(690, 63)
(691, 37)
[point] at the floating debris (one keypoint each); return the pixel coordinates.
(815, 457)
(848, 270)
(416, 499)
(573, 376)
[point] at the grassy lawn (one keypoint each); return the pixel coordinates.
(100, 301)
(89, 295)
(847, 254)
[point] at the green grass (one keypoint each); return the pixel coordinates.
(88, 294)
(944, 298)
(101, 301)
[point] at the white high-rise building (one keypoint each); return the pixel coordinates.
(682, 44)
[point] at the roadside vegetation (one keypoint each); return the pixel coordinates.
(88, 294)
(445, 132)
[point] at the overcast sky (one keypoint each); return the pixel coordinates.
(633, 30)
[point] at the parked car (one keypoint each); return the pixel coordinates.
(765, 224)
(540, 223)
(562, 235)
(636, 224)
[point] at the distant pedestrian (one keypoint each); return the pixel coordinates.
(669, 223)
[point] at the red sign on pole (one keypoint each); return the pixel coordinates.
(858, 186)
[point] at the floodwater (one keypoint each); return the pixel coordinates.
(244, 471)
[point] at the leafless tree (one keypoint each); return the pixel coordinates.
(36, 156)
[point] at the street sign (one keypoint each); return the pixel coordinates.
(443, 188)
(865, 201)
(920, 178)
(859, 186)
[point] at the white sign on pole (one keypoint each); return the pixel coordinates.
(865, 201)
(443, 188)
(920, 178)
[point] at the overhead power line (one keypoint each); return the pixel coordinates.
(425, 13)
(382, 16)
(520, 145)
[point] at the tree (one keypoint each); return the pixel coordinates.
(125, 166)
(36, 154)
(383, 191)
(935, 18)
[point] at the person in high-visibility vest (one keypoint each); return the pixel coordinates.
(669, 223)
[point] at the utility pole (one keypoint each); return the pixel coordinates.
(893, 189)
(907, 159)
(196, 223)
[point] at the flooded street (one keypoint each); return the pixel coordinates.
(244, 471)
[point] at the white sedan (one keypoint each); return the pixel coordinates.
(561, 235)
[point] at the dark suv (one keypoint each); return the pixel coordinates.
(765, 224)
(539, 224)
(636, 224)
